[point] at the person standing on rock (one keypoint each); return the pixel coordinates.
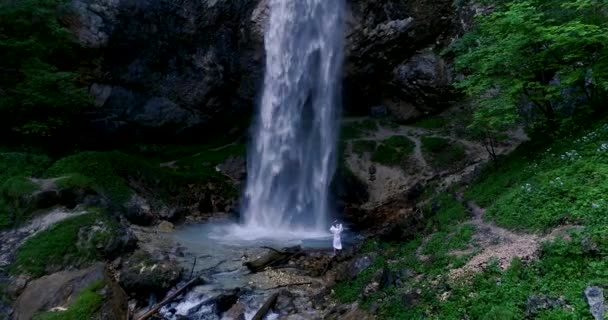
(336, 229)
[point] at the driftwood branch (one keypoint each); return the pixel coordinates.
(169, 298)
(266, 307)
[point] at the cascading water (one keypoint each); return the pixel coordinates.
(291, 161)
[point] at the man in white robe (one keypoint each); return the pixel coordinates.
(336, 230)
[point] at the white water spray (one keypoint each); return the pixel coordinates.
(292, 159)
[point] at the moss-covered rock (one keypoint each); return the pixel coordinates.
(72, 242)
(90, 293)
(143, 274)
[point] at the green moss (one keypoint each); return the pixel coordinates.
(76, 180)
(59, 245)
(84, 307)
(358, 129)
(106, 170)
(443, 153)
(361, 147)
(13, 193)
(22, 164)
(394, 151)
(17, 187)
(436, 122)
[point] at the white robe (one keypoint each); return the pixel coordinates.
(337, 240)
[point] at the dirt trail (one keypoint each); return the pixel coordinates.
(500, 244)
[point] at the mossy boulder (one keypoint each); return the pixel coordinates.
(73, 242)
(89, 293)
(143, 274)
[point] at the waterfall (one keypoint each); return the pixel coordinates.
(292, 158)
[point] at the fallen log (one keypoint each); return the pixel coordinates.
(289, 285)
(273, 258)
(266, 307)
(169, 298)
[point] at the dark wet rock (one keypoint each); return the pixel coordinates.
(226, 300)
(138, 211)
(196, 67)
(424, 81)
(235, 168)
(108, 238)
(590, 247)
(539, 302)
(595, 299)
(387, 278)
(411, 298)
(236, 312)
(347, 312)
(142, 275)
(16, 285)
(373, 285)
(406, 227)
(285, 303)
(356, 266)
(62, 288)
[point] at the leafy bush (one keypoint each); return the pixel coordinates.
(550, 52)
(41, 90)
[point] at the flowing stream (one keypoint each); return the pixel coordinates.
(291, 161)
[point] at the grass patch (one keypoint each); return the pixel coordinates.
(14, 164)
(13, 193)
(362, 147)
(436, 122)
(106, 170)
(523, 192)
(59, 245)
(394, 151)
(443, 153)
(86, 305)
(358, 129)
(565, 183)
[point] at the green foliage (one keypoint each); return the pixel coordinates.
(521, 47)
(38, 82)
(443, 212)
(564, 184)
(59, 245)
(443, 153)
(86, 305)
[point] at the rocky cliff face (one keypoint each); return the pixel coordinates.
(188, 66)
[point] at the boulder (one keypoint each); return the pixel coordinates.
(356, 266)
(236, 312)
(226, 300)
(595, 299)
(166, 226)
(138, 211)
(142, 275)
(60, 289)
(537, 303)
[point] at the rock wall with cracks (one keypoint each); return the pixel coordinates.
(184, 67)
